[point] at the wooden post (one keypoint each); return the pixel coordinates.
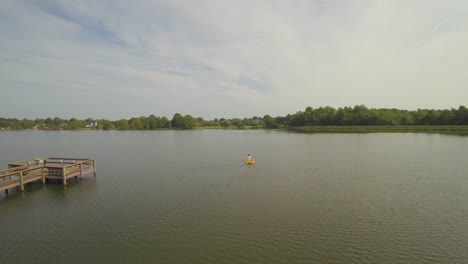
(21, 181)
(43, 175)
(81, 170)
(94, 167)
(64, 177)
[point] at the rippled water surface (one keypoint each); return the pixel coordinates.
(187, 197)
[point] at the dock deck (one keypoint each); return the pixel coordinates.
(42, 169)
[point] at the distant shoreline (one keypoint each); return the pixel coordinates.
(382, 129)
(455, 129)
(349, 119)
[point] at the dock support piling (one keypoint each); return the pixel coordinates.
(64, 177)
(81, 170)
(43, 175)
(94, 167)
(21, 181)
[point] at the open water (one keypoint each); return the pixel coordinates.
(188, 197)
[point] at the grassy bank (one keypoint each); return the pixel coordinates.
(382, 129)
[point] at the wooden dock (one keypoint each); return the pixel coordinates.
(43, 169)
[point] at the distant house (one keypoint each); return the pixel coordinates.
(91, 124)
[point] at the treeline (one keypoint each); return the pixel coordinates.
(359, 115)
(151, 122)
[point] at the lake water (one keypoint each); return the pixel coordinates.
(187, 197)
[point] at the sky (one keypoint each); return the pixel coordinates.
(119, 59)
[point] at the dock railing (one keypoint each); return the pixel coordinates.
(22, 172)
(17, 178)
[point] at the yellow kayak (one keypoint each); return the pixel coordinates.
(250, 162)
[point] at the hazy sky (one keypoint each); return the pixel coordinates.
(120, 59)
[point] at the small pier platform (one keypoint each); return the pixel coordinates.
(43, 169)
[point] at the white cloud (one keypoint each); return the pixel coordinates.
(241, 58)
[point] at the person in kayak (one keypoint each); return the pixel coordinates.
(249, 158)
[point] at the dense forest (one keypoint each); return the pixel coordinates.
(359, 115)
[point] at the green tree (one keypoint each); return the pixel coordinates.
(153, 122)
(136, 124)
(165, 123)
(57, 122)
(177, 121)
(106, 124)
(188, 122)
(237, 123)
(27, 124)
(75, 124)
(122, 124)
(360, 115)
(224, 123)
(344, 116)
(269, 122)
(199, 122)
(49, 122)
